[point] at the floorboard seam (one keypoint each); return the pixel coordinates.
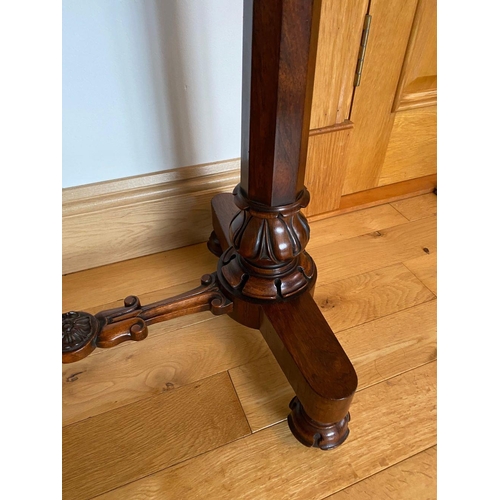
(435, 295)
(332, 495)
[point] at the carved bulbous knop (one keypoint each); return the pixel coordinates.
(269, 237)
(267, 259)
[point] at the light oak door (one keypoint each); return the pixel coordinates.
(375, 140)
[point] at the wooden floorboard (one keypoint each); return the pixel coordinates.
(132, 414)
(391, 421)
(417, 207)
(115, 448)
(368, 296)
(158, 364)
(326, 231)
(374, 250)
(425, 269)
(114, 282)
(411, 479)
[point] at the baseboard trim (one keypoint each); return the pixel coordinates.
(122, 219)
(380, 195)
(117, 220)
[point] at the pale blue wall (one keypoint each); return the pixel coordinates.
(149, 85)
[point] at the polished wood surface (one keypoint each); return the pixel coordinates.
(390, 339)
(358, 136)
(383, 357)
(266, 271)
(325, 177)
(264, 279)
(279, 57)
(266, 258)
(391, 192)
(316, 366)
(82, 332)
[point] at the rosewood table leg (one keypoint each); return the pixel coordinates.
(261, 232)
(265, 279)
(304, 345)
(317, 368)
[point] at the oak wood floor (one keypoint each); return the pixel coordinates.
(198, 410)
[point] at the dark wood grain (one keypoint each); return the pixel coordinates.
(265, 278)
(223, 212)
(83, 332)
(316, 366)
(279, 56)
(266, 259)
(264, 268)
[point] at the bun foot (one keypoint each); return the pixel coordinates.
(316, 434)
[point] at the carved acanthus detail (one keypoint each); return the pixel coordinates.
(267, 259)
(269, 239)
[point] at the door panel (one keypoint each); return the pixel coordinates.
(382, 132)
(340, 31)
(418, 82)
(325, 180)
(373, 99)
(411, 152)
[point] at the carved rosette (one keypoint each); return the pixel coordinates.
(267, 259)
(79, 330)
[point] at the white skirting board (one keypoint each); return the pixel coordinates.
(126, 218)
